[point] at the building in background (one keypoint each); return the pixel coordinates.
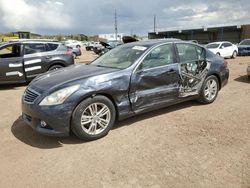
(204, 35)
(111, 37)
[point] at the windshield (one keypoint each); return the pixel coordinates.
(213, 45)
(120, 57)
(245, 42)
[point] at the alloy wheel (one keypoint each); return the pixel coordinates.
(95, 118)
(211, 89)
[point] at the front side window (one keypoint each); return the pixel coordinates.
(159, 56)
(10, 51)
(190, 52)
(32, 48)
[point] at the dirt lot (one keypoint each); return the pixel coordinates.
(186, 145)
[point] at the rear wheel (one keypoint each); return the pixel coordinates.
(93, 118)
(218, 53)
(234, 55)
(55, 67)
(209, 90)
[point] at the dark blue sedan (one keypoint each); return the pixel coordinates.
(128, 80)
(244, 47)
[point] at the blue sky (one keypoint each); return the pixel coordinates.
(134, 16)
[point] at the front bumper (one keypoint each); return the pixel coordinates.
(56, 117)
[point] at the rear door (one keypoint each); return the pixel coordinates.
(11, 64)
(35, 59)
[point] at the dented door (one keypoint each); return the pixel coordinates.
(11, 64)
(155, 81)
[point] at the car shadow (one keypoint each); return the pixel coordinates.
(155, 113)
(12, 86)
(243, 79)
(25, 134)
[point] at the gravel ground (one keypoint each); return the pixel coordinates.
(186, 145)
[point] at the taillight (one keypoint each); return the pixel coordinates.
(225, 62)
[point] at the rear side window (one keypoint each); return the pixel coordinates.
(226, 45)
(32, 48)
(190, 52)
(52, 47)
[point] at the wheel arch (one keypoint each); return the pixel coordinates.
(53, 63)
(110, 97)
(217, 76)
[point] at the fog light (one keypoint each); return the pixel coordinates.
(43, 124)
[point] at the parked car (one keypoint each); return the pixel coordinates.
(224, 49)
(248, 71)
(244, 47)
(76, 52)
(130, 79)
(21, 61)
(73, 43)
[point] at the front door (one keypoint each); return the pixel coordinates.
(11, 64)
(155, 81)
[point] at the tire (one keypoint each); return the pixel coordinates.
(55, 67)
(209, 90)
(218, 53)
(234, 55)
(93, 126)
(78, 46)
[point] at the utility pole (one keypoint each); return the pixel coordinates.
(154, 23)
(115, 25)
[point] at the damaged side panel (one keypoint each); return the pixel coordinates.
(192, 76)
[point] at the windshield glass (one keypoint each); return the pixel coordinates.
(120, 57)
(245, 42)
(213, 45)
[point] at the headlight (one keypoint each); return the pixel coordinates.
(60, 96)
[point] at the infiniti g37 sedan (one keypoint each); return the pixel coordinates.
(128, 80)
(21, 61)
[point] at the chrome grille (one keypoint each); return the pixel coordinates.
(30, 96)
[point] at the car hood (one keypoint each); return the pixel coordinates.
(53, 79)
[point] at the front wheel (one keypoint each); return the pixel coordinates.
(209, 90)
(93, 118)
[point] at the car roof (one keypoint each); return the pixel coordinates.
(27, 42)
(152, 42)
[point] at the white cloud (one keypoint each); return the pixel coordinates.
(21, 14)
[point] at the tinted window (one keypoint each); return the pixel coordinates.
(189, 52)
(159, 56)
(32, 48)
(245, 42)
(227, 45)
(52, 46)
(213, 45)
(10, 51)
